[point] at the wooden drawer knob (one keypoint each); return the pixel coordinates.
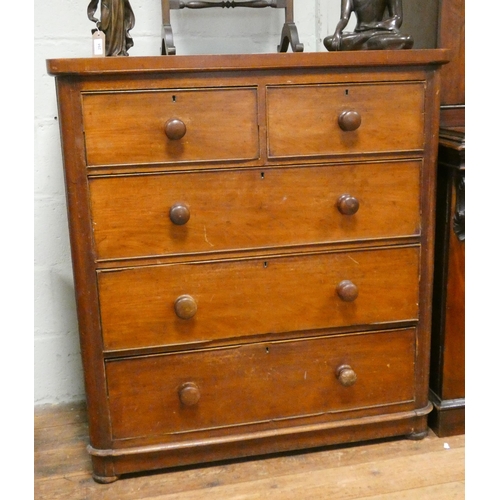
(175, 129)
(346, 375)
(347, 291)
(179, 213)
(189, 394)
(185, 307)
(347, 204)
(349, 120)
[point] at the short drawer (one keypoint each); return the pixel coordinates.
(203, 301)
(167, 214)
(332, 120)
(257, 383)
(123, 128)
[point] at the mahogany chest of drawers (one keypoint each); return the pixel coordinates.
(252, 242)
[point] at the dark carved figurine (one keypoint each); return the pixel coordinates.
(378, 23)
(117, 19)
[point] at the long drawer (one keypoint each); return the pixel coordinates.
(167, 214)
(332, 120)
(200, 390)
(168, 126)
(203, 301)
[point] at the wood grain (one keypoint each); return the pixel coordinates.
(253, 208)
(129, 127)
(276, 374)
(284, 294)
(391, 119)
(247, 62)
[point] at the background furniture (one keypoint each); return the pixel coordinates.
(451, 35)
(447, 381)
(252, 246)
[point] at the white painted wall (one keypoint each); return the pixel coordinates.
(63, 30)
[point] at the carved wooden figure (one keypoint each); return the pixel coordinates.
(117, 19)
(378, 23)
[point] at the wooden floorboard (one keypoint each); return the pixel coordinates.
(394, 469)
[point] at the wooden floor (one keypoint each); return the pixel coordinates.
(395, 469)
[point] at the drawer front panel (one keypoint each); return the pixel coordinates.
(253, 208)
(195, 302)
(307, 120)
(130, 127)
(254, 383)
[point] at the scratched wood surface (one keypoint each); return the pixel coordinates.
(394, 469)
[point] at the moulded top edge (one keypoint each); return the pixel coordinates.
(237, 62)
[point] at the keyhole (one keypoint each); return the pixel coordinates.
(262, 175)
(265, 264)
(346, 91)
(174, 98)
(267, 350)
